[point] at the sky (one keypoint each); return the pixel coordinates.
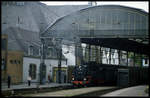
(136, 4)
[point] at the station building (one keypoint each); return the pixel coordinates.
(12, 62)
(24, 22)
(31, 66)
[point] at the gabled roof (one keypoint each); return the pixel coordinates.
(20, 39)
(23, 23)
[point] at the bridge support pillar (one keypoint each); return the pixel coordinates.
(118, 56)
(89, 53)
(133, 58)
(97, 54)
(110, 56)
(127, 58)
(141, 60)
(79, 54)
(101, 55)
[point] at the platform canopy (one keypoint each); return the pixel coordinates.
(106, 21)
(118, 43)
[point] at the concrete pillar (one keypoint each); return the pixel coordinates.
(85, 50)
(118, 56)
(97, 54)
(93, 56)
(76, 54)
(110, 56)
(133, 58)
(127, 58)
(101, 55)
(79, 54)
(141, 59)
(89, 53)
(86, 53)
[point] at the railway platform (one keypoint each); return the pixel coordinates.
(130, 91)
(72, 92)
(33, 85)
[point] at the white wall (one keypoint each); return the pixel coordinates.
(115, 56)
(28, 60)
(145, 62)
(70, 55)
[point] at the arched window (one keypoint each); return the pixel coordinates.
(30, 50)
(49, 52)
(32, 71)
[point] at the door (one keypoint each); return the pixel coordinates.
(63, 77)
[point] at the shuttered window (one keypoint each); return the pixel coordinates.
(32, 71)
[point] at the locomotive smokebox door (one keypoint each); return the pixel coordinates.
(123, 78)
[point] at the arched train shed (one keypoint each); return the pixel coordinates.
(94, 25)
(106, 21)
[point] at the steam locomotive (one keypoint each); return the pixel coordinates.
(91, 74)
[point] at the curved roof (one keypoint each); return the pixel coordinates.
(106, 21)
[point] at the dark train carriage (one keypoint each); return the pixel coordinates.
(105, 74)
(137, 75)
(94, 74)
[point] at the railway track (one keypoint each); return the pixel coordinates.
(62, 91)
(85, 91)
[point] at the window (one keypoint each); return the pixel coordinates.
(11, 61)
(39, 51)
(19, 62)
(4, 44)
(30, 50)
(15, 61)
(32, 71)
(3, 64)
(49, 52)
(19, 3)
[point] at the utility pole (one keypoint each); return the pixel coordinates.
(42, 64)
(76, 54)
(127, 57)
(59, 65)
(59, 55)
